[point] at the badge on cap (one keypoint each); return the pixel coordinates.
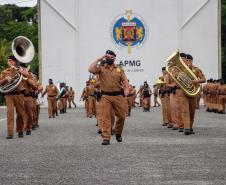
(118, 70)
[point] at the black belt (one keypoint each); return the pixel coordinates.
(27, 95)
(52, 96)
(175, 87)
(31, 94)
(129, 95)
(116, 93)
(15, 93)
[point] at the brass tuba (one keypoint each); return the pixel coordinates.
(23, 50)
(182, 75)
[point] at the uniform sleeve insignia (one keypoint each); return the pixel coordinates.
(118, 70)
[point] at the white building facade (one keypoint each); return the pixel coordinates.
(143, 33)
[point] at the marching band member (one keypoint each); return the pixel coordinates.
(84, 97)
(189, 103)
(30, 86)
(156, 96)
(38, 104)
(165, 99)
(52, 92)
(146, 92)
(14, 98)
(71, 97)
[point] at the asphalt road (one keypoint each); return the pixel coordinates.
(67, 150)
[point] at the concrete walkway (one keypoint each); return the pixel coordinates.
(67, 150)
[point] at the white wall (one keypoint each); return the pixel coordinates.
(76, 32)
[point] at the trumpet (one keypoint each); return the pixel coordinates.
(159, 83)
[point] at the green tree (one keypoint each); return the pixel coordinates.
(16, 11)
(16, 21)
(30, 14)
(4, 45)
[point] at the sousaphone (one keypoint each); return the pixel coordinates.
(23, 50)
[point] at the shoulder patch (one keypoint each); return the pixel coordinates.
(118, 70)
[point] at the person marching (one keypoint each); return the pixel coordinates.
(98, 107)
(140, 91)
(164, 93)
(208, 89)
(112, 81)
(30, 86)
(146, 97)
(156, 96)
(71, 97)
(91, 99)
(52, 92)
(188, 107)
(61, 98)
(37, 102)
(222, 97)
(14, 98)
(134, 97)
(175, 104)
(84, 97)
(129, 99)
(65, 98)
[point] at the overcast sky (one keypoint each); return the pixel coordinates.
(29, 3)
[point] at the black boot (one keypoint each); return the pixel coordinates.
(181, 130)
(106, 142)
(99, 131)
(175, 128)
(20, 134)
(187, 132)
(9, 137)
(33, 127)
(170, 125)
(118, 138)
(191, 131)
(28, 132)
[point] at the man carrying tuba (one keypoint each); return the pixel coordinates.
(14, 97)
(188, 104)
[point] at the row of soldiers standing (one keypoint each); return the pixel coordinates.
(179, 109)
(214, 95)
